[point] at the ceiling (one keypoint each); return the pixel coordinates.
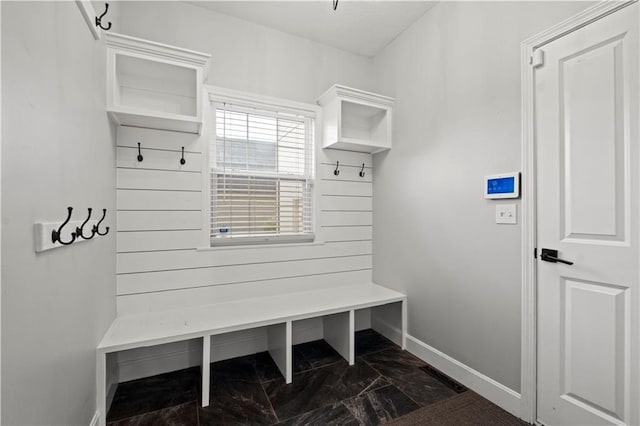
(358, 26)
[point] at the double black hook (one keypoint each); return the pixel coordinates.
(337, 172)
(99, 19)
(56, 234)
(140, 157)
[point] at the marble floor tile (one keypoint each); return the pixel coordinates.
(369, 341)
(380, 405)
(179, 415)
(235, 402)
(319, 387)
(393, 362)
(312, 355)
(238, 369)
(330, 415)
(266, 369)
(154, 393)
(422, 387)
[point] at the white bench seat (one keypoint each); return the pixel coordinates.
(336, 305)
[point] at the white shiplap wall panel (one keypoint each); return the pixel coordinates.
(160, 203)
(344, 218)
(221, 275)
(341, 203)
(135, 199)
(158, 301)
(159, 139)
(147, 241)
(158, 179)
(184, 259)
(347, 233)
(349, 188)
(136, 220)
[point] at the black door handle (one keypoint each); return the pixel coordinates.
(549, 255)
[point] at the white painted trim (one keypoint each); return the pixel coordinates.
(499, 394)
(89, 15)
(222, 94)
(528, 379)
(95, 419)
(143, 47)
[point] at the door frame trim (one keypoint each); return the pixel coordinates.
(528, 376)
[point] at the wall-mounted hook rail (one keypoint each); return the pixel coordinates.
(140, 157)
(99, 19)
(362, 171)
(182, 160)
(97, 226)
(79, 229)
(336, 171)
(57, 233)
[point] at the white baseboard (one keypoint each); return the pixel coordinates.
(95, 419)
(499, 394)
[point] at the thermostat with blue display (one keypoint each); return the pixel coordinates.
(502, 186)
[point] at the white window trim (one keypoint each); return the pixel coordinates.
(220, 94)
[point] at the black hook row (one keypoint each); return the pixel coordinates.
(56, 234)
(337, 172)
(99, 19)
(140, 157)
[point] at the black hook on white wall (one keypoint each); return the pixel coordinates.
(336, 171)
(335, 4)
(362, 171)
(79, 230)
(56, 234)
(182, 160)
(97, 226)
(99, 19)
(139, 153)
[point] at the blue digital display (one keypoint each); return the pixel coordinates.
(503, 185)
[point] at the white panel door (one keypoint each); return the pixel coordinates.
(586, 106)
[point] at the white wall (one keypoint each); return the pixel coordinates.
(246, 56)
(455, 75)
(57, 151)
(160, 207)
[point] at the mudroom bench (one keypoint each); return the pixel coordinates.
(277, 313)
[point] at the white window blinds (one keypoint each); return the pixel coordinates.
(261, 175)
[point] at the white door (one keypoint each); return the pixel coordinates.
(586, 127)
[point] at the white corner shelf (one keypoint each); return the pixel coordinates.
(355, 120)
(154, 85)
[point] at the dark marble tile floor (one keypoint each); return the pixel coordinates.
(384, 384)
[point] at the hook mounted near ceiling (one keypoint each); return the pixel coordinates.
(99, 19)
(335, 4)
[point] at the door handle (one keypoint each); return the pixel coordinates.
(550, 255)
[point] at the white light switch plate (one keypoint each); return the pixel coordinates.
(506, 213)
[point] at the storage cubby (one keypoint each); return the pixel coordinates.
(355, 120)
(153, 85)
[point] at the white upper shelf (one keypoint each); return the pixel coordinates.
(355, 120)
(154, 85)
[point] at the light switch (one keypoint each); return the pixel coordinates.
(506, 213)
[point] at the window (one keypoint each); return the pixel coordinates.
(261, 163)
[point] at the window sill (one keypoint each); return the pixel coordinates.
(238, 245)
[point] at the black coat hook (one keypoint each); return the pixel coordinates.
(335, 4)
(55, 234)
(182, 160)
(139, 153)
(99, 19)
(95, 227)
(336, 171)
(362, 171)
(79, 230)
